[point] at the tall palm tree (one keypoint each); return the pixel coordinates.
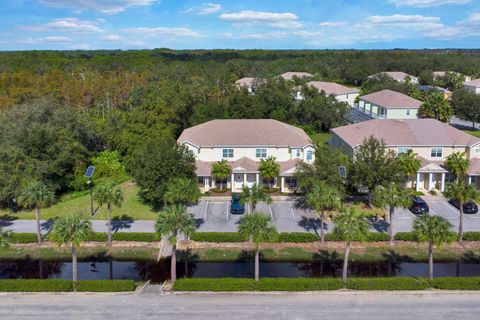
(351, 225)
(4, 238)
(269, 169)
(259, 228)
(170, 222)
(221, 170)
(72, 230)
(409, 163)
(458, 164)
(182, 191)
(392, 196)
(462, 192)
(36, 195)
(436, 231)
(111, 196)
(252, 196)
(322, 198)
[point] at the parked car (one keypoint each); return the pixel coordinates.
(419, 206)
(235, 206)
(469, 207)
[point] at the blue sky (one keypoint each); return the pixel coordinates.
(259, 24)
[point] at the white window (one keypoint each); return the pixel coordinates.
(297, 153)
(402, 150)
(227, 153)
(309, 155)
(477, 149)
(261, 153)
(436, 152)
(408, 112)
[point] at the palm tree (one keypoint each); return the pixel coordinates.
(409, 163)
(392, 196)
(72, 230)
(351, 225)
(222, 171)
(458, 164)
(36, 195)
(111, 196)
(269, 169)
(170, 222)
(182, 191)
(322, 198)
(252, 196)
(4, 238)
(462, 192)
(258, 227)
(436, 231)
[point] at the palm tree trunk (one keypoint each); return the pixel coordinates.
(322, 232)
(390, 222)
(173, 265)
(257, 264)
(345, 263)
(74, 264)
(37, 217)
(430, 261)
(460, 225)
(109, 225)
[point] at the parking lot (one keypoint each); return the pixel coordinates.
(214, 215)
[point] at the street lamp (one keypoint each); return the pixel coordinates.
(89, 174)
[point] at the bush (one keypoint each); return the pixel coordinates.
(23, 237)
(405, 236)
(35, 285)
(105, 285)
(218, 237)
(298, 284)
(297, 237)
(388, 284)
(273, 190)
(471, 236)
(433, 192)
(220, 284)
(447, 283)
(126, 236)
(218, 190)
(371, 237)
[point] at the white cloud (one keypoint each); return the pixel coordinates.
(66, 25)
(273, 19)
(404, 21)
(426, 3)
(103, 6)
(465, 28)
(205, 9)
(112, 37)
(263, 36)
(45, 40)
(333, 24)
(308, 34)
(164, 32)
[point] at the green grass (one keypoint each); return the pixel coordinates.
(321, 138)
(475, 133)
(132, 207)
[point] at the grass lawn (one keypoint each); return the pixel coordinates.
(473, 132)
(320, 138)
(132, 207)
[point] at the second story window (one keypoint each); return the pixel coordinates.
(436, 152)
(402, 150)
(261, 153)
(227, 153)
(408, 112)
(309, 155)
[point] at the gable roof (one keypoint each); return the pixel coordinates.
(332, 88)
(392, 99)
(245, 82)
(290, 74)
(411, 132)
(473, 83)
(244, 133)
(396, 75)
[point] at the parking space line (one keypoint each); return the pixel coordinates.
(291, 210)
(205, 213)
(270, 209)
(226, 211)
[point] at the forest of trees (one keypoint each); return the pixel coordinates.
(59, 109)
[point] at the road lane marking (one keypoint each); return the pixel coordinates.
(291, 210)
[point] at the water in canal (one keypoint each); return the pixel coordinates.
(158, 272)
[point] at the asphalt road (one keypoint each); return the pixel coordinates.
(343, 305)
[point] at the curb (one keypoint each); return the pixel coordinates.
(334, 292)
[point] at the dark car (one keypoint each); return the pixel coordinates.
(236, 207)
(469, 207)
(419, 206)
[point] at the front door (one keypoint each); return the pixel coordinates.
(238, 180)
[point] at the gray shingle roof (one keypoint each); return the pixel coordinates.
(332, 88)
(392, 99)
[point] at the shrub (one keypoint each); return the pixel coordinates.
(297, 237)
(35, 285)
(221, 284)
(371, 237)
(105, 285)
(433, 192)
(23, 237)
(218, 237)
(405, 236)
(218, 190)
(126, 236)
(298, 284)
(273, 190)
(387, 284)
(471, 236)
(447, 283)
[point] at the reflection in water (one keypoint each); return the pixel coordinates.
(158, 272)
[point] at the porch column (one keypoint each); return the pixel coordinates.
(442, 187)
(430, 181)
(232, 182)
(207, 183)
(257, 179)
(212, 183)
(469, 179)
(282, 184)
(244, 179)
(417, 185)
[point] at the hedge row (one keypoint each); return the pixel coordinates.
(126, 236)
(319, 284)
(297, 237)
(218, 237)
(371, 237)
(23, 237)
(58, 285)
